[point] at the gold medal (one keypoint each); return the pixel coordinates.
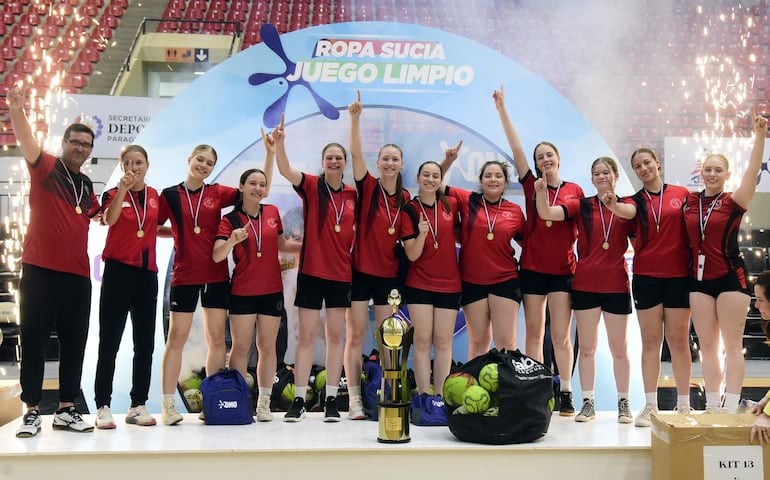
(337, 228)
(259, 254)
(606, 245)
(548, 223)
(435, 245)
(78, 210)
(197, 229)
(490, 236)
(391, 230)
(139, 233)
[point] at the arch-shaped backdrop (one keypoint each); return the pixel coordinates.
(422, 88)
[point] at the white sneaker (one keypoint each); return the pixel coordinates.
(683, 409)
(263, 410)
(139, 415)
(644, 417)
(356, 409)
(168, 412)
(104, 420)
(30, 424)
(68, 418)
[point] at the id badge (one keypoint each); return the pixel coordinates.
(701, 266)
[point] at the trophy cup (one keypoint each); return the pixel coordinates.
(394, 337)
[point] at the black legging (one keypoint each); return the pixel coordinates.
(126, 289)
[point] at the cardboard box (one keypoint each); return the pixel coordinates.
(707, 447)
(10, 401)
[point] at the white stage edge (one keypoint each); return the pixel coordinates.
(316, 450)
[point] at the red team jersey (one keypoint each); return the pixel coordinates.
(373, 250)
(255, 275)
(720, 245)
(57, 236)
(549, 250)
(484, 261)
(437, 269)
(193, 264)
(599, 270)
(661, 252)
(326, 252)
(122, 243)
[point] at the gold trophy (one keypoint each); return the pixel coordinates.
(394, 337)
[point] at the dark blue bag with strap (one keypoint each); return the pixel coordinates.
(226, 399)
(371, 384)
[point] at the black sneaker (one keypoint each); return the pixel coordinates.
(331, 414)
(566, 409)
(68, 418)
(296, 412)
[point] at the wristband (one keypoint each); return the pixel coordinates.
(767, 394)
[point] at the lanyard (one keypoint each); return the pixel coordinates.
(605, 228)
(391, 220)
(659, 214)
(491, 225)
(433, 231)
(337, 211)
(78, 198)
(140, 221)
(704, 220)
(196, 229)
(256, 231)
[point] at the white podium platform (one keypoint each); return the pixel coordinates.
(316, 450)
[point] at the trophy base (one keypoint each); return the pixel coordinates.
(393, 423)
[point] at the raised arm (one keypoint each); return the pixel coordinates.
(21, 127)
(519, 157)
(745, 191)
(269, 143)
(545, 211)
(450, 155)
(291, 174)
(356, 151)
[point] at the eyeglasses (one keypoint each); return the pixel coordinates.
(82, 145)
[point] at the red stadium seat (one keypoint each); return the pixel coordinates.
(75, 80)
(102, 32)
(3, 65)
(173, 12)
(24, 66)
(82, 66)
(88, 10)
(115, 10)
(61, 54)
(8, 17)
(168, 27)
(7, 52)
(30, 18)
(89, 53)
(109, 20)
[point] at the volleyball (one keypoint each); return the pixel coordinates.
(455, 386)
